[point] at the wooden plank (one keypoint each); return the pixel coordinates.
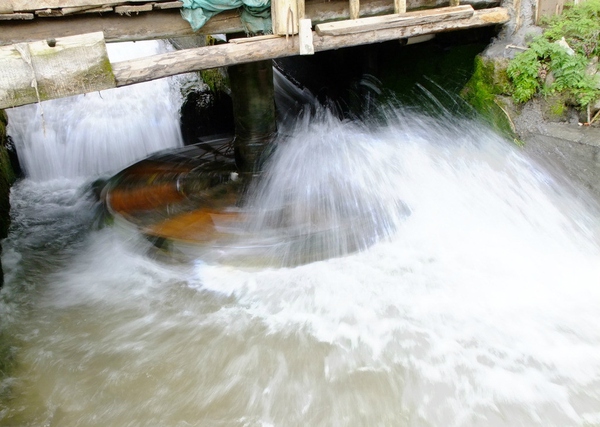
(168, 23)
(87, 9)
(306, 37)
(254, 39)
(169, 5)
(46, 13)
(30, 72)
(104, 9)
(16, 16)
(31, 5)
(6, 8)
(184, 61)
(547, 8)
(145, 26)
(394, 21)
(128, 10)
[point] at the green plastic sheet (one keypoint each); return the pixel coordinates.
(255, 14)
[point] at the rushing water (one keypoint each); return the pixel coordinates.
(475, 303)
(77, 136)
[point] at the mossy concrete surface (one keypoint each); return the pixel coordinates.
(486, 91)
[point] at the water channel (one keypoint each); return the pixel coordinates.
(478, 305)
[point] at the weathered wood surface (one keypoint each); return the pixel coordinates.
(394, 21)
(74, 65)
(354, 9)
(399, 6)
(306, 37)
(547, 8)
(168, 23)
(30, 72)
(284, 15)
(179, 62)
(30, 5)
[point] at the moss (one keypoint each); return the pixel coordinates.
(216, 80)
(555, 107)
(484, 90)
(98, 77)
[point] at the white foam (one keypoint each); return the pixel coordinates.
(100, 132)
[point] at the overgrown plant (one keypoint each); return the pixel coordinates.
(562, 59)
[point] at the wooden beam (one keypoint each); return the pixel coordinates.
(37, 71)
(128, 10)
(184, 61)
(72, 65)
(16, 16)
(169, 5)
(394, 21)
(30, 5)
(168, 23)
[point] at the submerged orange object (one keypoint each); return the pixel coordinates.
(129, 200)
(200, 225)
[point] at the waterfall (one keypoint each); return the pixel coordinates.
(101, 132)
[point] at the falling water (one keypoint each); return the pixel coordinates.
(99, 132)
(474, 302)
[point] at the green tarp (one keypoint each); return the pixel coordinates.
(255, 14)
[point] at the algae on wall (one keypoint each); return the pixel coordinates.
(7, 177)
(485, 91)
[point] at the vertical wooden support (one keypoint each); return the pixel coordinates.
(301, 9)
(253, 97)
(399, 6)
(354, 9)
(306, 37)
(284, 15)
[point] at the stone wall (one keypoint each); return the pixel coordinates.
(7, 177)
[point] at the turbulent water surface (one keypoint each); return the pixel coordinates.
(473, 300)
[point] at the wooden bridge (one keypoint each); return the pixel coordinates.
(56, 48)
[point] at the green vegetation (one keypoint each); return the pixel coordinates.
(489, 80)
(563, 60)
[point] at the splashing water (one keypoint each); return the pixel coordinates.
(100, 132)
(472, 302)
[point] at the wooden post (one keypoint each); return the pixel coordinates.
(253, 96)
(399, 6)
(306, 37)
(284, 14)
(354, 9)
